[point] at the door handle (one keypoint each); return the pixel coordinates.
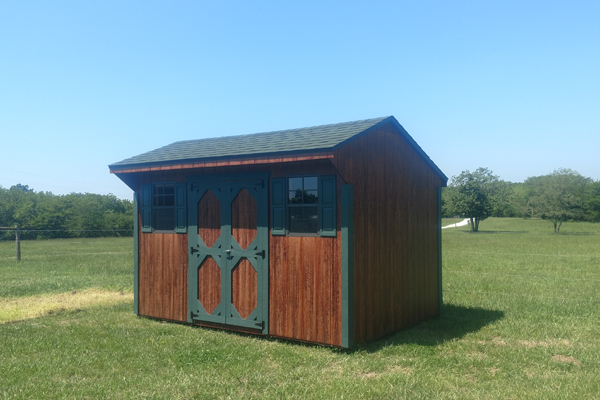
(228, 251)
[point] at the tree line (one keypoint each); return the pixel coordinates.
(564, 195)
(43, 215)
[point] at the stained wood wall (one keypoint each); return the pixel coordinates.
(305, 275)
(304, 272)
(395, 233)
(163, 284)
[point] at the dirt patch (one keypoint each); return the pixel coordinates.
(547, 343)
(566, 359)
(394, 369)
(22, 308)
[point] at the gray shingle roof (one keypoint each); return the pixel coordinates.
(321, 137)
(312, 139)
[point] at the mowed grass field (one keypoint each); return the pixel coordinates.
(521, 320)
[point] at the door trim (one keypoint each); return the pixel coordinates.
(262, 223)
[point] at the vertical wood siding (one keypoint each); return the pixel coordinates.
(163, 275)
(305, 276)
(304, 272)
(395, 233)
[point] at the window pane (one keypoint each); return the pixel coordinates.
(311, 197)
(311, 183)
(169, 189)
(296, 219)
(164, 219)
(311, 220)
(169, 200)
(159, 189)
(159, 201)
(295, 184)
(295, 197)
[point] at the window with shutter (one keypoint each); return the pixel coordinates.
(304, 206)
(163, 208)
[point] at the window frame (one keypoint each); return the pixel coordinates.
(179, 207)
(156, 208)
(303, 205)
(327, 206)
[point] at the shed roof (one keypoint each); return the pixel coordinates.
(311, 139)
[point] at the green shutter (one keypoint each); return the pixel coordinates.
(146, 208)
(278, 189)
(328, 207)
(180, 208)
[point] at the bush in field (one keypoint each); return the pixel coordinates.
(45, 215)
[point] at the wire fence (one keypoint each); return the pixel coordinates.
(17, 234)
(33, 234)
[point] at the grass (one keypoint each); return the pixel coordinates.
(520, 320)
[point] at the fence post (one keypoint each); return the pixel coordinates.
(18, 243)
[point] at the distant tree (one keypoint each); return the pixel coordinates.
(591, 202)
(24, 188)
(558, 196)
(471, 195)
(520, 199)
(500, 193)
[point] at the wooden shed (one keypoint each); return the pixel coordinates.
(328, 234)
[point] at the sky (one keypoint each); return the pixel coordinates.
(513, 86)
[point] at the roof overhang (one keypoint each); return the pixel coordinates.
(253, 159)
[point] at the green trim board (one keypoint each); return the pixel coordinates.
(347, 200)
(439, 243)
(136, 262)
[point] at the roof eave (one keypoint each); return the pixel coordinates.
(211, 162)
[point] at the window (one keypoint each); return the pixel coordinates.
(163, 208)
(303, 206)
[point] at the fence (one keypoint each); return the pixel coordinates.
(69, 233)
(17, 240)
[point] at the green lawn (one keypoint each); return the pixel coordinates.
(520, 320)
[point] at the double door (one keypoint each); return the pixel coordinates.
(228, 250)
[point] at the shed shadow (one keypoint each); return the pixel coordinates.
(454, 323)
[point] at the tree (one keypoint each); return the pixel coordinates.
(558, 196)
(471, 195)
(591, 202)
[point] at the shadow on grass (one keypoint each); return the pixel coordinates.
(454, 323)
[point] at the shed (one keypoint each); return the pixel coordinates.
(329, 234)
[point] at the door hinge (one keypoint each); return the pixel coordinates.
(261, 324)
(193, 250)
(261, 253)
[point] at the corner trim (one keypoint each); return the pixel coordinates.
(136, 245)
(439, 249)
(347, 196)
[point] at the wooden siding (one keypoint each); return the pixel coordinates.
(305, 276)
(244, 288)
(163, 285)
(209, 284)
(395, 233)
(304, 272)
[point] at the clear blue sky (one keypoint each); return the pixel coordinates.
(513, 85)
